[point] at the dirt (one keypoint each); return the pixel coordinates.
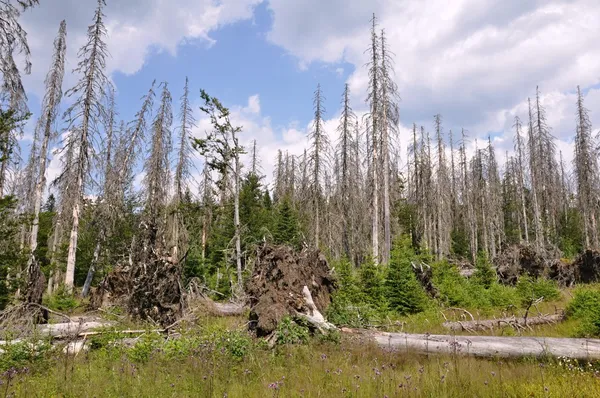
(516, 260)
(149, 291)
(587, 267)
(275, 287)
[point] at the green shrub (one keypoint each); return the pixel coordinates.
(501, 296)
(143, 349)
(345, 313)
(530, 289)
(371, 282)
(290, 332)
(403, 291)
(22, 354)
(484, 273)
(585, 307)
(61, 300)
(331, 336)
(235, 343)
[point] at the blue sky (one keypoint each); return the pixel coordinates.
(473, 61)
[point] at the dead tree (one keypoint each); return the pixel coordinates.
(84, 118)
(13, 41)
(520, 151)
(319, 145)
(373, 118)
(182, 174)
(107, 204)
(344, 154)
(50, 105)
(586, 174)
(389, 128)
(534, 168)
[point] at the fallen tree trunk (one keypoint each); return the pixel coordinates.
(70, 328)
(228, 309)
(490, 324)
(487, 346)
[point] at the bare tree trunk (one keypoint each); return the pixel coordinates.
(236, 219)
(90, 275)
(70, 274)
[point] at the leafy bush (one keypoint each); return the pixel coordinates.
(585, 307)
(290, 332)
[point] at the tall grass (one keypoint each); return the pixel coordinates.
(221, 363)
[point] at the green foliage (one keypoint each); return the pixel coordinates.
(330, 336)
(371, 282)
(62, 301)
(10, 256)
(287, 227)
(530, 289)
(585, 308)
(234, 343)
(457, 291)
(403, 291)
(484, 274)
(22, 354)
(355, 315)
(460, 242)
(570, 233)
(290, 332)
(255, 212)
(143, 349)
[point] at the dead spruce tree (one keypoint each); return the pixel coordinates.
(13, 41)
(389, 129)
(84, 118)
(222, 150)
(50, 105)
(156, 182)
(534, 168)
(373, 101)
(348, 178)
(319, 146)
(520, 153)
(586, 174)
(107, 203)
(182, 174)
(442, 200)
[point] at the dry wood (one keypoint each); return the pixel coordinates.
(488, 346)
(490, 324)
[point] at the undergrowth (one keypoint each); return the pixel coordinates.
(214, 362)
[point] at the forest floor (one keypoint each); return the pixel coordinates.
(216, 357)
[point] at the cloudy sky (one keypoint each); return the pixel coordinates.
(473, 61)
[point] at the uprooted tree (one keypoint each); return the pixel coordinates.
(286, 283)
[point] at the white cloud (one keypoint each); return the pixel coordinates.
(466, 59)
(135, 29)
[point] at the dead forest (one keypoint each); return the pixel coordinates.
(362, 223)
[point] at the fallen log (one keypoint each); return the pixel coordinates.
(69, 329)
(229, 309)
(490, 324)
(487, 346)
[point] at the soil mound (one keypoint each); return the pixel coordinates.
(587, 267)
(149, 291)
(275, 288)
(516, 260)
